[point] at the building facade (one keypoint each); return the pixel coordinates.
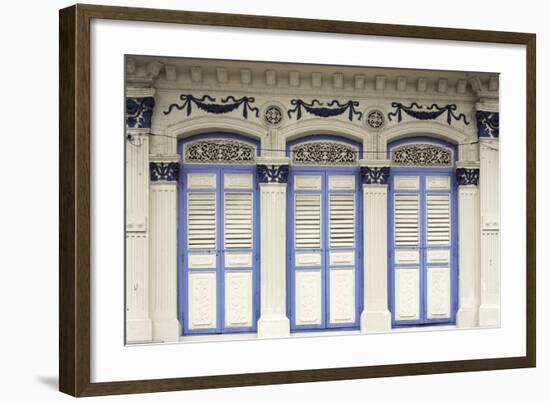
(273, 199)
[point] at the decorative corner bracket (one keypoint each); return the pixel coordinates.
(139, 111)
(272, 173)
(487, 124)
(467, 176)
(160, 171)
(375, 175)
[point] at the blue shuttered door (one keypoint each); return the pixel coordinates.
(324, 241)
(218, 244)
(423, 240)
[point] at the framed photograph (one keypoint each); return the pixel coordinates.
(249, 200)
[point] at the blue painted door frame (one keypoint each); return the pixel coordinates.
(324, 172)
(422, 173)
(220, 269)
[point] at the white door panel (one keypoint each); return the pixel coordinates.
(439, 292)
(407, 294)
(342, 295)
(238, 181)
(202, 260)
(238, 259)
(202, 300)
(238, 298)
(308, 297)
(201, 181)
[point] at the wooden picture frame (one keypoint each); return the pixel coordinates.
(75, 197)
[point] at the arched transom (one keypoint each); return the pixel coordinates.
(227, 151)
(422, 155)
(324, 153)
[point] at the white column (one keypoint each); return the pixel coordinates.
(375, 316)
(489, 310)
(138, 324)
(469, 246)
(139, 108)
(273, 321)
(163, 258)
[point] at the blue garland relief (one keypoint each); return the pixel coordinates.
(206, 104)
(487, 124)
(418, 112)
(375, 175)
(467, 176)
(159, 171)
(139, 111)
(332, 108)
(273, 173)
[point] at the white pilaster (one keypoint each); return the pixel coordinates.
(468, 256)
(273, 321)
(138, 324)
(489, 310)
(375, 316)
(163, 259)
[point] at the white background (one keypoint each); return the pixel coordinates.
(28, 285)
(111, 361)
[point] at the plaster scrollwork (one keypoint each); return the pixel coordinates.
(160, 171)
(422, 155)
(375, 175)
(272, 173)
(219, 151)
(330, 109)
(487, 124)
(467, 176)
(431, 112)
(324, 153)
(139, 111)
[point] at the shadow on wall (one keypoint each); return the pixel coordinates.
(48, 381)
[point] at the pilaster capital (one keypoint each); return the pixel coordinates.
(272, 173)
(487, 124)
(375, 174)
(164, 168)
(467, 176)
(139, 111)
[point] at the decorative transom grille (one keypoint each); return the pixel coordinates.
(421, 154)
(375, 119)
(324, 153)
(219, 151)
(273, 115)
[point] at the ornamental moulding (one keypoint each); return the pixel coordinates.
(467, 176)
(375, 175)
(272, 173)
(323, 153)
(219, 151)
(487, 124)
(139, 111)
(161, 171)
(206, 104)
(426, 114)
(317, 108)
(423, 155)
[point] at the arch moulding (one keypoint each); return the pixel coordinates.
(204, 125)
(414, 129)
(308, 128)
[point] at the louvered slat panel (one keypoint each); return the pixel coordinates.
(201, 209)
(238, 220)
(406, 220)
(308, 221)
(342, 220)
(438, 215)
